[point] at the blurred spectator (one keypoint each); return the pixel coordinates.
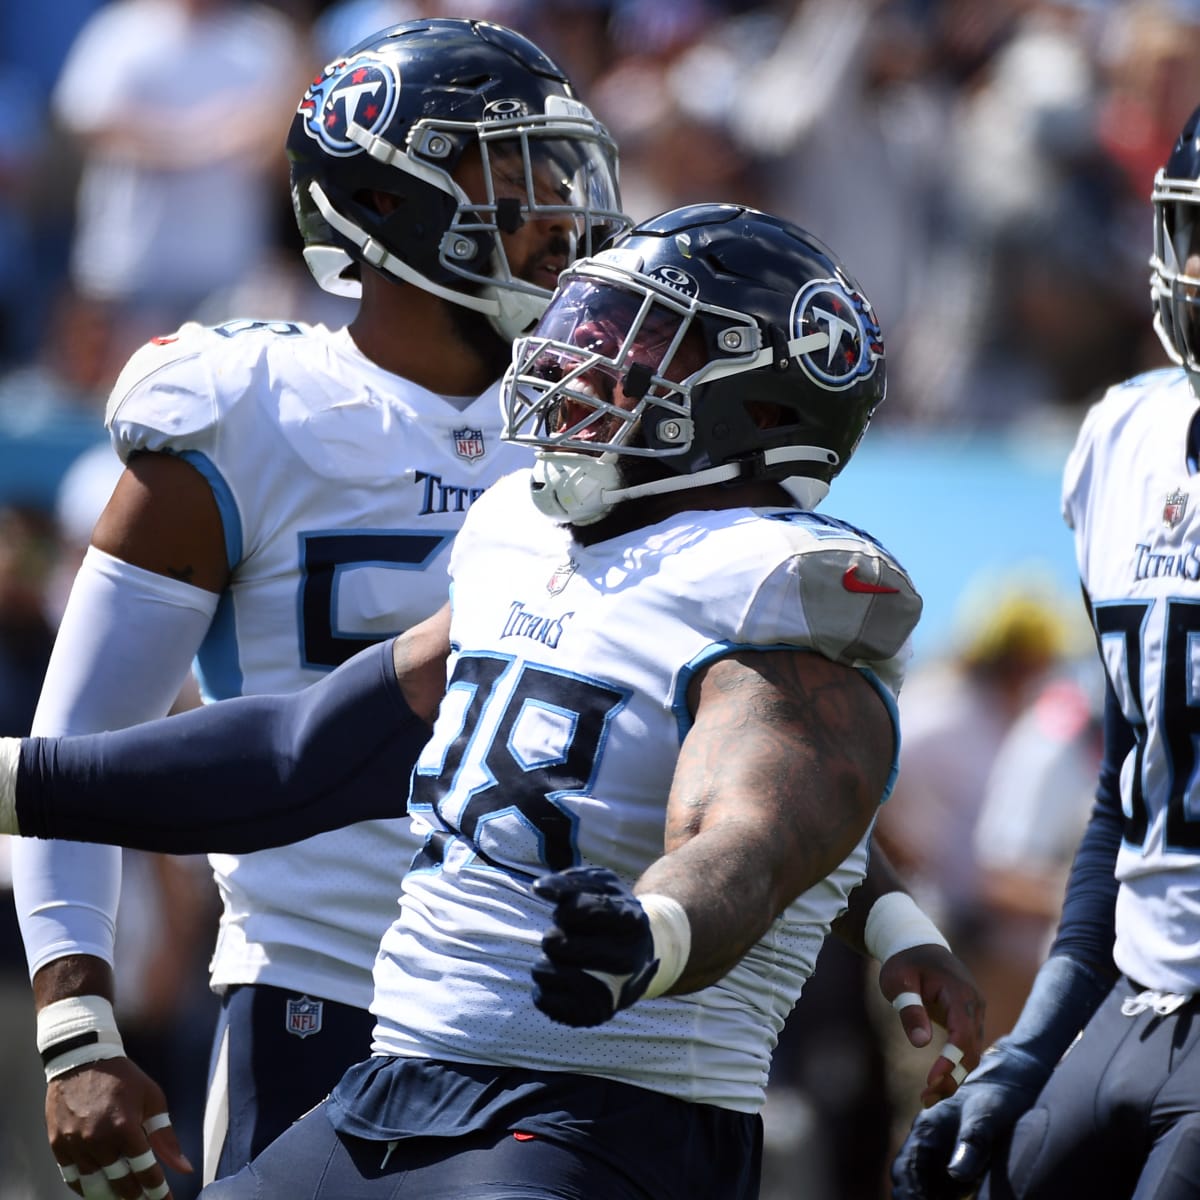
(828, 1118)
(1013, 635)
(180, 127)
(27, 553)
(168, 906)
(36, 176)
(348, 22)
(28, 546)
(1035, 806)
(955, 714)
(69, 378)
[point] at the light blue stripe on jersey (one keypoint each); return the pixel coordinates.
(683, 717)
(231, 520)
(218, 667)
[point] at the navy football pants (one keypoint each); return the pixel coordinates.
(1120, 1117)
(275, 1056)
(650, 1138)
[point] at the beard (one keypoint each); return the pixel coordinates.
(475, 329)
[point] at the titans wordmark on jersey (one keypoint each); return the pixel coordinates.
(1134, 505)
(340, 487)
(555, 745)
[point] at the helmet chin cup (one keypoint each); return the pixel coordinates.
(327, 264)
(806, 492)
(570, 487)
(514, 313)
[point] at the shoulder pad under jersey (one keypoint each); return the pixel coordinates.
(859, 604)
(174, 389)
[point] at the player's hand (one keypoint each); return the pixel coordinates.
(928, 984)
(109, 1131)
(598, 956)
(949, 1148)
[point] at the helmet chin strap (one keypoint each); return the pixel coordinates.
(580, 489)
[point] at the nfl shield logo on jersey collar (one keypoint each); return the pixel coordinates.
(1174, 508)
(561, 576)
(303, 1016)
(468, 443)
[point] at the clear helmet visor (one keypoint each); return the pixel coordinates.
(548, 189)
(603, 354)
(1175, 280)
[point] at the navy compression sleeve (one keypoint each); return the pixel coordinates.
(1086, 929)
(241, 775)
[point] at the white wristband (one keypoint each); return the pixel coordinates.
(78, 1030)
(895, 923)
(672, 934)
(10, 757)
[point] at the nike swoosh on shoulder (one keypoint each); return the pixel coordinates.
(853, 583)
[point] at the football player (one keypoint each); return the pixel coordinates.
(663, 718)
(1116, 1113)
(289, 496)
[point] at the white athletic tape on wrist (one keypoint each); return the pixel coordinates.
(671, 932)
(908, 1000)
(895, 923)
(10, 757)
(78, 1030)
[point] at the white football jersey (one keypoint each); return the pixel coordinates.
(341, 487)
(1134, 505)
(555, 745)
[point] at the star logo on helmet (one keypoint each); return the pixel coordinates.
(359, 92)
(845, 316)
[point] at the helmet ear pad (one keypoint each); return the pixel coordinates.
(728, 425)
(414, 225)
(724, 428)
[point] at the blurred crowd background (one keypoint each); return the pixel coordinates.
(984, 166)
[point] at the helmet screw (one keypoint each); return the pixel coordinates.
(669, 431)
(437, 145)
(731, 339)
(462, 248)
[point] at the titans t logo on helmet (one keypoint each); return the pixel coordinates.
(362, 89)
(855, 340)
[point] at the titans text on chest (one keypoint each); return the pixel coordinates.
(1152, 564)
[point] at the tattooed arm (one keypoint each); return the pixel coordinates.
(777, 781)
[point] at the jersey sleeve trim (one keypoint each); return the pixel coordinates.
(683, 716)
(231, 521)
(217, 667)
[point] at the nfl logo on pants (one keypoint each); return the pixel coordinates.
(303, 1016)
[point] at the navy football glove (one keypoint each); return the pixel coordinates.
(950, 1146)
(598, 956)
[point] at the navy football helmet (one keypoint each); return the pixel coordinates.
(398, 114)
(1175, 293)
(717, 340)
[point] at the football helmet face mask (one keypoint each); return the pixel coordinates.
(417, 110)
(717, 341)
(1175, 264)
